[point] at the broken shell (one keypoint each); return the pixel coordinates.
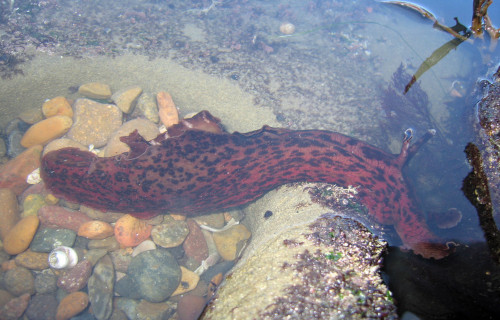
(287, 28)
(34, 177)
(63, 257)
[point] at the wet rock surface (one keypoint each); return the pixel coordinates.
(326, 266)
(487, 127)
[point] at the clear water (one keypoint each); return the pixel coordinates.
(332, 73)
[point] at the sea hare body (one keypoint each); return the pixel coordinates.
(198, 171)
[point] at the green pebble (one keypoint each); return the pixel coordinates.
(32, 204)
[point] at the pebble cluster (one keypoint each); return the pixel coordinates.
(126, 267)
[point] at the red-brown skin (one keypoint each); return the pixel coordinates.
(197, 172)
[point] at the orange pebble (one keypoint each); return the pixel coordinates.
(96, 230)
(58, 106)
(20, 236)
(130, 231)
(71, 305)
(166, 109)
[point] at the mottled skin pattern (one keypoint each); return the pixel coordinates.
(198, 172)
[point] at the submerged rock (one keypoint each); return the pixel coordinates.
(100, 288)
(152, 275)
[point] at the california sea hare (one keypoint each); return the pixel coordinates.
(196, 171)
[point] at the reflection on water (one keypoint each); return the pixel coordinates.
(337, 65)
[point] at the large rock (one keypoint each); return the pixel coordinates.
(301, 265)
(94, 122)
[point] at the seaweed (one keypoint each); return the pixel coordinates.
(404, 109)
(10, 62)
(480, 21)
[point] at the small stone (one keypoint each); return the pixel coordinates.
(45, 282)
(19, 281)
(71, 305)
(95, 230)
(94, 255)
(3, 148)
(94, 122)
(15, 308)
(95, 214)
(153, 274)
(31, 116)
(63, 143)
(170, 234)
(58, 106)
(214, 220)
(46, 130)
(74, 279)
(9, 211)
(31, 204)
(60, 217)
(195, 244)
(167, 111)
(20, 236)
(126, 99)
(190, 307)
(13, 174)
(32, 260)
(146, 245)
(100, 288)
(128, 306)
(155, 311)
(121, 259)
(130, 231)
(189, 281)
(50, 199)
(5, 296)
(178, 217)
(95, 90)
(146, 129)
(47, 239)
(14, 147)
(42, 307)
(231, 241)
(146, 106)
(109, 244)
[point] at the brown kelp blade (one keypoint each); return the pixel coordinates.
(434, 58)
(480, 10)
(415, 8)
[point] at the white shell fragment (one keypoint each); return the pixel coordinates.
(63, 257)
(93, 149)
(229, 224)
(34, 177)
